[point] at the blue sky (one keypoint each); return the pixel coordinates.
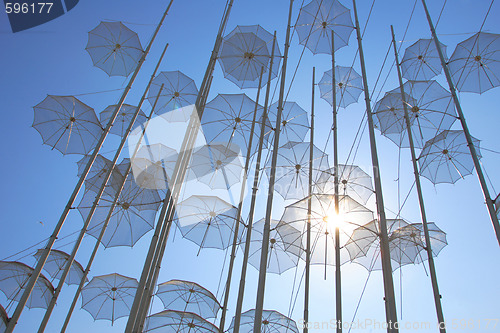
(36, 182)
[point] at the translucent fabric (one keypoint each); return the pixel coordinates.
(178, 91)
(272, 322)
(446, 158)
(188, 296)
(114, 48)
(244, 52)
(123, 119)
(405, 245)
(348, 86)
(285, 247)
(177, 321)
(109, 296)
(324, 220)
(98, 172)
(294, 121)
(229, 118)
(475, 63)
(421, 60)
(353, 181)
(56, 263)
(207, 221)
(67, 124)
(13, 278)
(153, 166)
(4, 319)
(436, 235)
(292, 169)
(430, 109)
(316, 22)
(217, 165)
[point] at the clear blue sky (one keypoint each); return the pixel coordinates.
(36, 182)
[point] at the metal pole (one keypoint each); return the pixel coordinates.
(390, 300)
(62, 219)
(432, 268)
(472, 148)
(246, 251)
(259, 307)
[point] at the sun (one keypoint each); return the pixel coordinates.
(334, 220)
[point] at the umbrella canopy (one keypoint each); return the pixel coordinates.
(430, 109)
(4, 319)
(294, 121)
(285, 246)
(178, 91)
(421, 60)
(188, 296)
(207, 221)
(446, 157)
(123, 119)
(272, 321)
(114, 48)
(229, 117)
(67, 124)
(244, 52)
(348, 86)
(413, 234)
(97, 173)
(475, 63)
(176, 321)
(353, 181)
(153, 166)
(292, 169)
(316, 22)
(55, 264)
(13, 278)
(109, 296)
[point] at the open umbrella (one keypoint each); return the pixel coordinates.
(188, 296)
(348, 86)
(55, 264)
(177, 321)
(475, 63)
(114, 48)
(109, 296)
(413, 234)
(98, 172)
(123, 119)
(421, 60)
(294, 121)
(67, 124)
(272, 322)
(446, 157)
(153, 165)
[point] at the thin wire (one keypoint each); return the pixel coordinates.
(359, 301)
(99, 92)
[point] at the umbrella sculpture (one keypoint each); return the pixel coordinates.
(475, 63)
(13, 278)
(285, 247)
(272, 321)
(348, 86)
(316, 22)
(67, 124)
(446, 158)
(294, 121)
(114, 48)
(421, 60)
(133, 216)
(188, 296)
(176, 321)
(229, 117)
(178, 91)
(98, 172)
(4, 319)
(413, 236)
(217, 165)
(292, 169)
(109, 296)
(153, 165)
(207, 221)
(353, 181)
(55, 264)
(430, 109)
(244, 52)
(123, 118)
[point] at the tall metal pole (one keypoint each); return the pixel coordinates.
(259, 307)
(472, 148)
(240, 208)
(432, 268)
(246, 251)
(390, 300)
(43, 258)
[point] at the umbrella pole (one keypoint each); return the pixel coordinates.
(432, 268)
(246, 251)
(461, 116)
(259, 307)
(390, 301)
(62, 219)
(240, 207)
